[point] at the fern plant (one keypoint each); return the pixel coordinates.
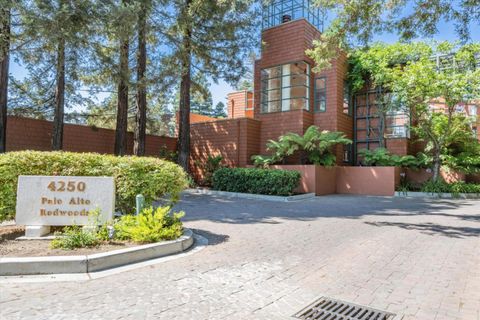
(315, 147)
(381, 157)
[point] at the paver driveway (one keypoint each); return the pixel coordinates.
(267, 260)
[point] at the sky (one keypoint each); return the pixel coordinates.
(219, 91)
(446, 32)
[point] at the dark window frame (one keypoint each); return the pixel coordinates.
(264, 80)
(315, 94)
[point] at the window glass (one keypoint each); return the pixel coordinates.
(397, 124)
(285, 87)
(320, 83)
(347, 98)
(320, 94)
(271, 73)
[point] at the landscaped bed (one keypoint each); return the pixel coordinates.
(41, 248)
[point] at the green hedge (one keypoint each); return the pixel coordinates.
(151, 177)
(455, 188)
(258, 181)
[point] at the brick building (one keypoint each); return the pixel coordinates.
(289, 97)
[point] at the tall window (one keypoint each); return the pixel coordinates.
(320, 94)
(397, 117)
(347, 98)
(285, 87)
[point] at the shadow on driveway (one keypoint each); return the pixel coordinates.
(246, 211)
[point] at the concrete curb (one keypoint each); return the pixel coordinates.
(409, 194)
(250, 195)
(95, 262)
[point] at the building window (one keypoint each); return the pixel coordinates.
(285, 87)
(397, 124)
(347, 98)
(320, 94)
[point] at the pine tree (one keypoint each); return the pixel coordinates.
(122, 91)
(141, 102)
(54, 32)
(213, 37)
(219, 111)
(4, 63)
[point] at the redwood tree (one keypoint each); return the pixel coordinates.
(141, 102)
(122, 99)
(211, 37)
(4, 62)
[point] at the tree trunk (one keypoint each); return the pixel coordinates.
(122, 103)
(141, 112)
(58, 119)
(184, 109)
(436, 165)
(4, 63)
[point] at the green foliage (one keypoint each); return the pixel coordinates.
(455, 188)
(74, 237)
(257, 181)
(209, 167)
(151, 177)
(356, 23)
(315, 146)
(166, 154)
(219, 111)
(409, 72)
(151, 225)
(381, 157)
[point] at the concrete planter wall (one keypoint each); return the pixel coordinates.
(315, 179)
(375, 181)
(421, 176)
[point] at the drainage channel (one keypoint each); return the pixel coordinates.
(331, 309)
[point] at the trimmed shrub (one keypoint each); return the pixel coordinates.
(151, 177)
(258, 181)
(151, 225)
(455, 188)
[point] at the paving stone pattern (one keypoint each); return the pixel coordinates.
(268, 260)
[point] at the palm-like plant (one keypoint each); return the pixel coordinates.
(315, 146)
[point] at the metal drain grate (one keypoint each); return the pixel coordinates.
(331, 309)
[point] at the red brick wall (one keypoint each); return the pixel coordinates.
(400, 147)
(237, 104)
(278, 123)
(236, 140)
(33, 134)
(287, 43)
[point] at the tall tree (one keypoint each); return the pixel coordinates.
(141, 103)
(212, 37)
(122, 92)
(186, 27)
(54, 31)
(59, 114)
(357, 22)
(4, 63)
(219, 110)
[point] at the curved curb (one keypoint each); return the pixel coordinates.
(252, 196)
(94, 262)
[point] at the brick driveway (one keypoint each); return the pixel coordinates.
(267, 260)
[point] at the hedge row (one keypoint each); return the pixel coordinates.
(257, 181)
(151, 177)
(455, 188)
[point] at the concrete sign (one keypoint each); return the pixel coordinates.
(63, 201)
